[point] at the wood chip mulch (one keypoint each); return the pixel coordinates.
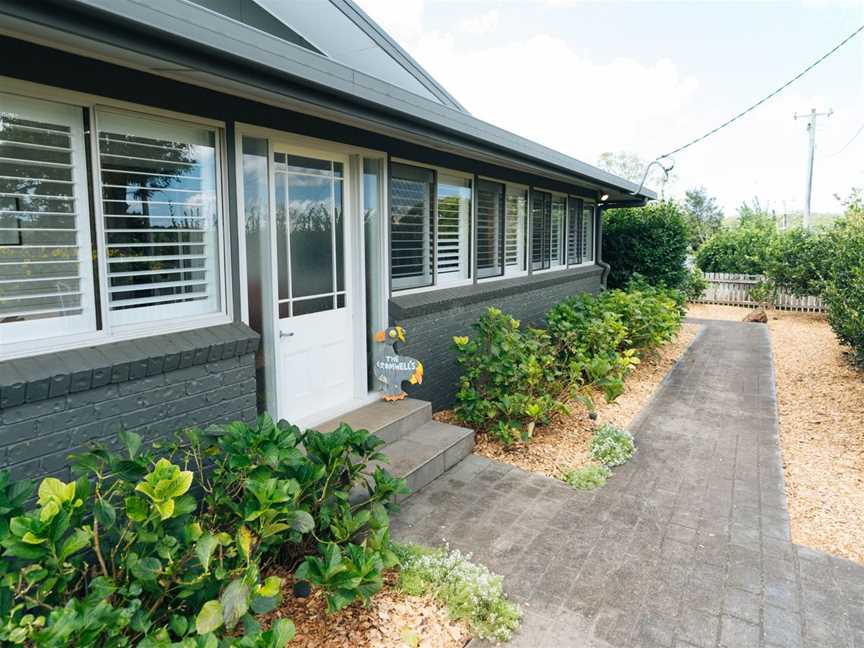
(565, 442)
(820, 398)
(391, 620)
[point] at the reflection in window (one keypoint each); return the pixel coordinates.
(490, 229)
(159, 201)
(541, 219)
(410, 226)
(514, 236)
(556, 232)
(588, 234)
(574, 226)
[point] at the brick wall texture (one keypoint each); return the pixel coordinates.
(37, 438)
(430, 335)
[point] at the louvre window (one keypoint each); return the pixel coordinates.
(574, 226)
(514, 231)
(557, 230)
(159, 203)
(490, 229)
(587, 239)
(452, 236)
(541, 220)
(45, 269)
(411, 226)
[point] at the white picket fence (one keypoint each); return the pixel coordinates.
(734, 290)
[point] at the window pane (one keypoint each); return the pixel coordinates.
(490, 229)
(588, 234)
(514, 236)
(453, 228)
(45, 255)
(556, 234)
(541, 216)
(410, 226)
(310, 216)
(376, 287)
(573, 228)
(161, 211)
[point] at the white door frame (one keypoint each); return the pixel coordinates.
(355, 283)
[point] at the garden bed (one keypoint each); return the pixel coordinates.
(820, 399)
(391, 620)
(566, 441)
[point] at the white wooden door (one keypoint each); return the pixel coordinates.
(313, 279)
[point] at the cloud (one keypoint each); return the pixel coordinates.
(481, 24)
(550, 90)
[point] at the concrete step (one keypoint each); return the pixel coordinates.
(427, 452)
(389, 420)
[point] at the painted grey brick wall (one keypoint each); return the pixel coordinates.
(430, 332)
(37, 438)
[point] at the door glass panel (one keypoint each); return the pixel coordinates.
(310, 234)
(373, 228)
(311, 224)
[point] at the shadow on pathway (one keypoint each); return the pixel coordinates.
(687, 545)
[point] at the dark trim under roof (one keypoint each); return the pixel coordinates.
(178, 36)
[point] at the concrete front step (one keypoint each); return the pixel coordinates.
(427, 452)
(389, 421)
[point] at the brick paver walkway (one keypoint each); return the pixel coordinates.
(687, 545)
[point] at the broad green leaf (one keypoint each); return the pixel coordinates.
(105, 513)
(302, 522)
(29, 538)
(166, 508)
(146, 569)
(79, 539)
(209, 618)
(235, 602)
(179, 624)
(136, 508)
(271, 586)
(132, 441)
(204, 549)
(282, 631)
(244, 542)
(52, 488)
(183, 505)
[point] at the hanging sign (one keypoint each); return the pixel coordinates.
(392, 369)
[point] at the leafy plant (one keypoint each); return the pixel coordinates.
(470, 591)
(743, 249)
(695, 286)
(844, 287)
(510, 380)
(588, 477)
(799, 260)
(170, 545)
(612, 446)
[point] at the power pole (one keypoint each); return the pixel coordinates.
(811, 129)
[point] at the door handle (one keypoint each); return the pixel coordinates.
(282, 334)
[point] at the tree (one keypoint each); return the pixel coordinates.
(632, 167)
(754, 215)
(650, 241)
(703, 214)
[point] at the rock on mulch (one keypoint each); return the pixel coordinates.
(565, 442)
(391, 620)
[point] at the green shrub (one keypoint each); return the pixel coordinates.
(651, 316)
(612, 446)
(170, 545)
(695, 286)
(744, 249)
(651, 241)
(470, 591)
(799, 260)
(510, 380)
(844, 288)
(587, 477)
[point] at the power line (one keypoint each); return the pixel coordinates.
(770, 96)
(754, 106)
(845, 146)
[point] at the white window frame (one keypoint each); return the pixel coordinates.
(562, 234)
(469, 251)
(521, 269)
(108, 333)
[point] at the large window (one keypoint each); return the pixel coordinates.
(411, 202)
(541, 226)
(453, 229)
(46, 286)
(490, 229)
(161, 219)
(158, 250)
(514, 233)
(430, 227)
(574, 227)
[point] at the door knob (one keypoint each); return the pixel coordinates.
(282, 334)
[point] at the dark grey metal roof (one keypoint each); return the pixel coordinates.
(146, 28)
